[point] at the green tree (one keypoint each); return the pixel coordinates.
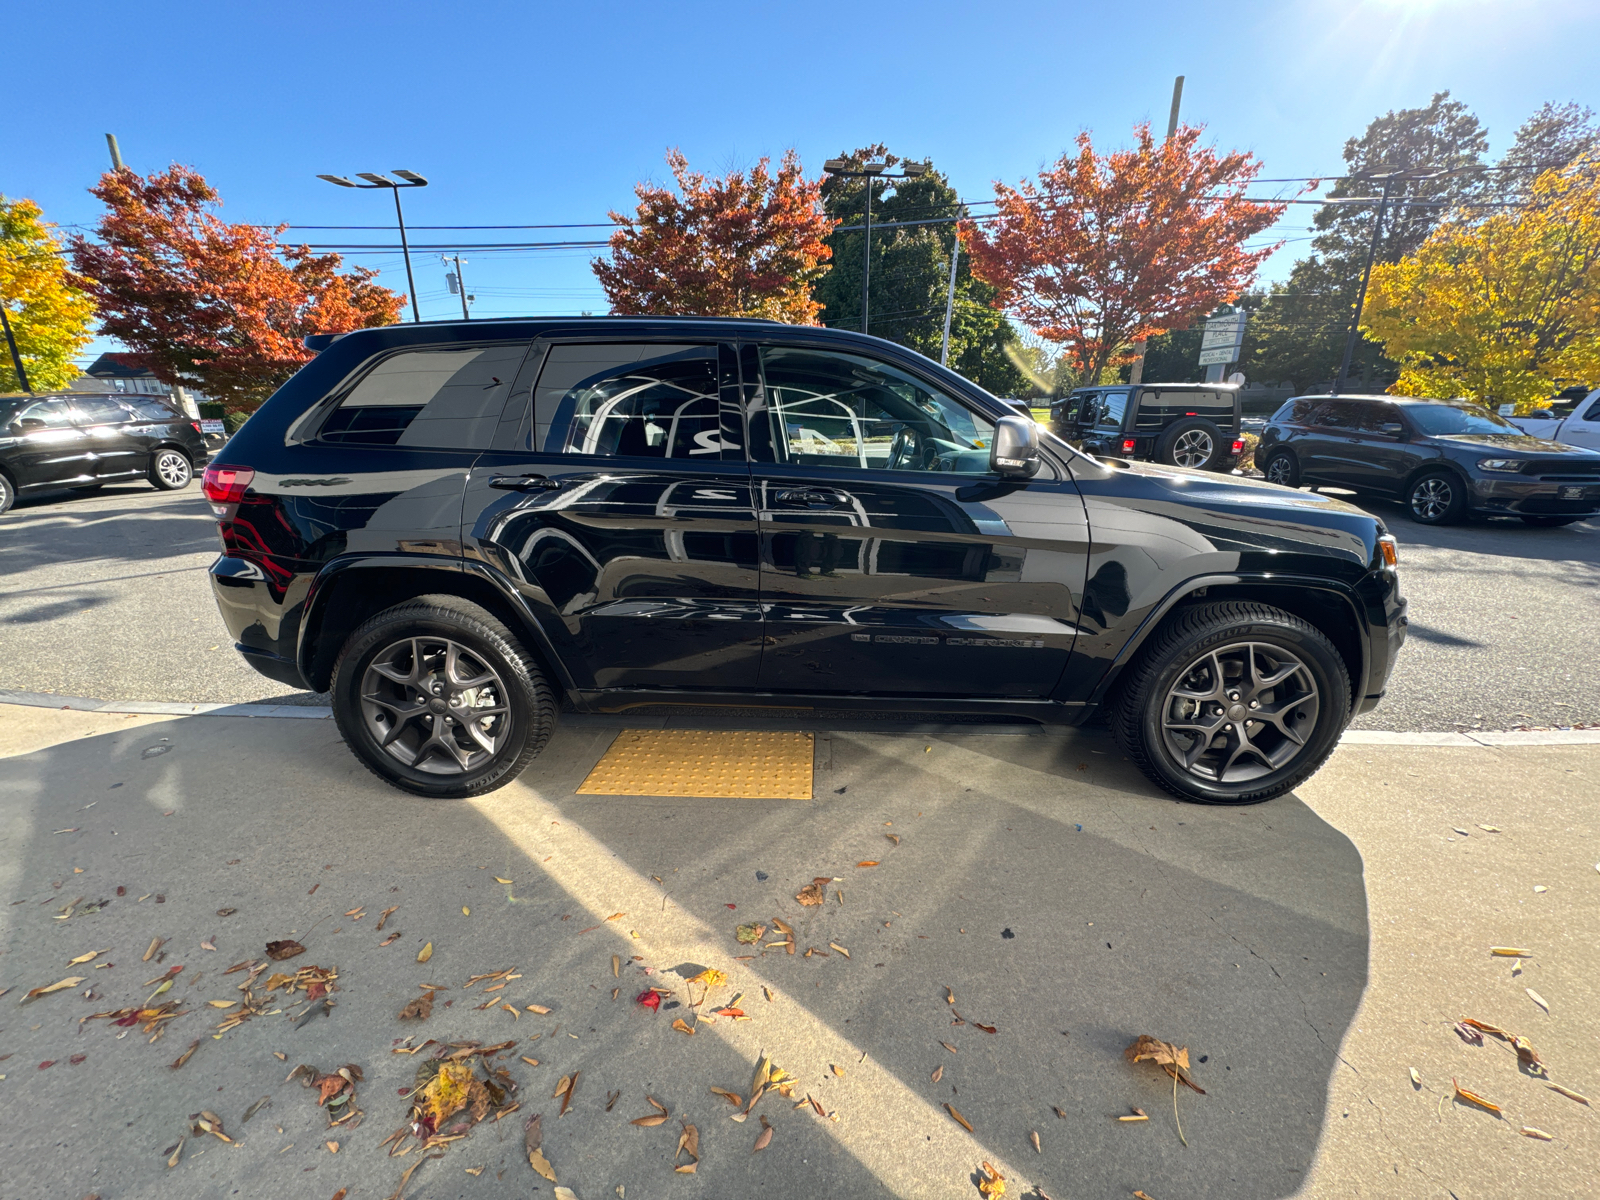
(1550, 140)
(49, 317)
(1298, 334)
(911, 274)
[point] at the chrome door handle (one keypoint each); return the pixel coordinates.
(525, 483)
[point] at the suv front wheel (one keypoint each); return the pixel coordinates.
(436, 697)
(1233, 703)
(1437, 498)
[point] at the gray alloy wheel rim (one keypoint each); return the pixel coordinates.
(173, 468)
(1193, 448)
(1240, 712)
(1431, 498)
(1278, 470)
(434, 705)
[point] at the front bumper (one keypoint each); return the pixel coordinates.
(1514, 495)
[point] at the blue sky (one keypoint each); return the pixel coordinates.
(539, 113)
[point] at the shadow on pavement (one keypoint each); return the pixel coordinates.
(1062, 903)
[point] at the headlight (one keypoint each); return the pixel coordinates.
(1501, 464)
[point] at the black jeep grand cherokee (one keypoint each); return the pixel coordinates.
(450, 526)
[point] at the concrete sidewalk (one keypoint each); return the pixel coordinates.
(1311, 950)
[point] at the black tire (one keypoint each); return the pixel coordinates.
(1175, 655)
(1193, 442)
(1550, 522)
(1436, 498)
(170, 469)
(8, 493)
(1287, 469)
(528, 703)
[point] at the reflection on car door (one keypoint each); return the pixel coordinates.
(891, 561)
(51, 449)
(634, 536)
(1326, 448)
(114, 450)
(1379, 459)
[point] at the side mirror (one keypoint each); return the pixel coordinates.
(1014, 451)
(1394, 429)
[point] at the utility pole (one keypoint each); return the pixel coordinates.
(866, 259)
(459, 284)
(16, 357)
(870, 171)
(950, 304)
(1136, 372)
(1361, 296)
(116, 152)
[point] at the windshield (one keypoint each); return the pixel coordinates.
(1457, 418)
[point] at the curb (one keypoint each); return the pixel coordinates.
(1481, 739)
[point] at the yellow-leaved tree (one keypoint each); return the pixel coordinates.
(1504, 308)
(49, 318)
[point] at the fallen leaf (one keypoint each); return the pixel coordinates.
(1510, 952)
(1473, 1098)
(682, 1027)
(732, 1098)
(686, 1169)
(812, 894)
(688, 1143)
(566, 1193)
(1568, 1093)
(750, 934)
(226, 912)
(1033, 1137)
(1526, 1056)
(176, 1154)
(1483, 1027)
(208, 944)
(1060, 1115)
(1138, 1114)
(1157, 1051)
(222, 1003)
(186, 1055)
(533, 1136)
(279, 951)
(840, 949)
(948, 1047)
(1467, 1034)
(650, 999)
(1530, 1132)
(155, 944)
(532, 1062)
(893, 837)
(497, 879)
(70, 982)
(390, 940)
(1537, 999)
(651, 1121)
(710, 978)
(1415, 1078)
(1490, 828)
(960, 1120)
(419, 1009)
(616, 916)
(425, 953)
(536, 1008)
(83, 958)
(254, 1109)
(764, 1139)
(985, 1028)
(869, 863)
(993, 1183)
(572, 1090)
(333, 1147)
(938, 1074)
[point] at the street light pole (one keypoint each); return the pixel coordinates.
(16, 357)
(375, 180)
(869, 171)
(950, 304)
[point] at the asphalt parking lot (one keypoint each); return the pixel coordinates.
(106, 597)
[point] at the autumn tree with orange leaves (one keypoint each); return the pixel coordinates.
(218, 307)
(745, 245)
(1107, 250)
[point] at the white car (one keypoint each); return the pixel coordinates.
(1580, 426)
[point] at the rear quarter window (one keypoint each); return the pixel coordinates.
(1293, 412)
(444, 397)
(1158, 409)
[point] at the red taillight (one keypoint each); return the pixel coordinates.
(197, 428)
(1127, 445)
(1238, 446)
(223, 484)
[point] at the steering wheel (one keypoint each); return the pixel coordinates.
(906, 451)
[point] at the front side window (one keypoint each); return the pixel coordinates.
(99, 410)
(447, 398)
(629, 400)
(1375, 416)
(824, 408)
(43, 414)
(1111, 408)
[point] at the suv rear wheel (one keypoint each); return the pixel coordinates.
(1192, 442)
(170, 470)
(1282, 469)
(436, 697)
(1437, 498)
(1233, 703)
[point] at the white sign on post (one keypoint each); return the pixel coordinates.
(1507, 409)
(208, 425)
(1223, 337)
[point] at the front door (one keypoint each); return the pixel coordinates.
(622, 514)
(892, 561)
(51, 450)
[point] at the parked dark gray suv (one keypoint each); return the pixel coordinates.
(83, 440)
(1442, 458)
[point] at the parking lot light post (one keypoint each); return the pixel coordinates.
(870, 171)
(375, 180)
(16, 357)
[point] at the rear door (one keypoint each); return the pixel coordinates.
(1325, 449)
(892, 561)
(621, 510)
(1379, 458)
(50, 448)
(114, 449)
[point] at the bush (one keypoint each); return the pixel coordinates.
(231, 421)
(1247, 457)
(212, 411)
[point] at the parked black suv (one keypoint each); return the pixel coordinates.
(1442, 458)
(1180, 424)
(450, 526)
(82, 440)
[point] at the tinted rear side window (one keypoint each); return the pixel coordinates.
(99, 410)
(147, 409)
(446, 398)
(1293, 412)
(632, 400)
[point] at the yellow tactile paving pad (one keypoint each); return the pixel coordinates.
(765, 765)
